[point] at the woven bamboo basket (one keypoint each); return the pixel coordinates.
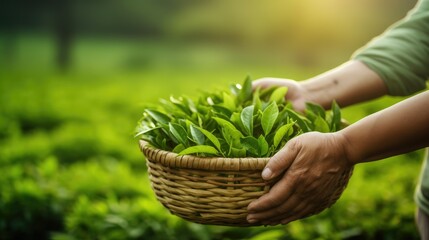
(214, 191)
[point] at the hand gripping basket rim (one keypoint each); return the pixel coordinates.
(211, 190)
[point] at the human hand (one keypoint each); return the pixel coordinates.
(296, 94)
(315, 169)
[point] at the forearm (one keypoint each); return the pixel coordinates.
(350, 83)
(401, 128)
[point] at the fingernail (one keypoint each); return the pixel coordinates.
(251, 206)
(266, 174)
(251, 220)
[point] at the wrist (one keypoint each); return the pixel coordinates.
(350, 151)
(318, 93)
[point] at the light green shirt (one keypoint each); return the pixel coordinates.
(400, 56)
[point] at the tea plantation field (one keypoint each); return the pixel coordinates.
(71, 168)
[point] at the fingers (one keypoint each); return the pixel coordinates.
(306, 212)
(292, 209)
(276, 198)
(268, 82)
(313, 180)
(281, 161)
(277, 195)
(276, 215)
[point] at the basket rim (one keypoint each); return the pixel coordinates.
(170, 159)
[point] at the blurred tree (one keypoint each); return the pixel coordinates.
(63, 20)
(66, 19)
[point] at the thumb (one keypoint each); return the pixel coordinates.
(281, 161)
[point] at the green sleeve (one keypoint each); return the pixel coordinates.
(400, 56)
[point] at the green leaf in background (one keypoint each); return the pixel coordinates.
(199, 149)
(191, 104)
(247, 119)
(270, 234)
(180, 104)
(158, 116)
(316, 109)
(278, 95)
(283, 131)
(222, 110)
(235, 89)
(179, 133)
(228, 101)
(145, 131)
(197, 135)
(336, 117)
(269, 116)
(211, 137)
(246, 90)
(265, 93)
(256, 100)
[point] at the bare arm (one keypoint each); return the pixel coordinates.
(349, 83)
(401, 128)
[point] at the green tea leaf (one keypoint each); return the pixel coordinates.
(228, 101)
(222, 111)
(235, 119)
(282, 132)
(235, 89)
(178, 148)
(278, 95)
(179, 133)
(315, 109)
(269, 116)
(321, 125)
(256, 100)
(197, 135)
(336, 117)
(158, 116)
(263, 146)
(246, 90)
(251, 144)
(180, 104)
(247, 119)
(299, 120)
(160, 141)
(229, 132)
(199, 149)
(191, 105)
(145, 131)
(265, 93)
(237, 152)
(211, 137)
(228, 126)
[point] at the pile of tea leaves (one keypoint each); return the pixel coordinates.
(241, 122)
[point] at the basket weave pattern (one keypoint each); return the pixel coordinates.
(213, 191)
